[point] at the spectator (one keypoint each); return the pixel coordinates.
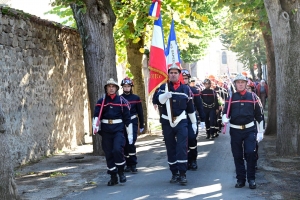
(262, 92)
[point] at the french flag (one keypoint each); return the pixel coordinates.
(157, 58)
(172, 51)
(154, 11)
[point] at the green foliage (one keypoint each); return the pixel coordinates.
(242, 32)
(196, 22)
(246, 42)
(65, 13)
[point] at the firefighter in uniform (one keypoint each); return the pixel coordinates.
(192, 138)
(114, 119)
(244, 111)
(211, 108)
(176, 101)
(137, 120)
(222, 96)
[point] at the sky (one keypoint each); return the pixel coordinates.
(34, 7)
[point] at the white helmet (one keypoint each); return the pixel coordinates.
(240, 77)
(111, 81)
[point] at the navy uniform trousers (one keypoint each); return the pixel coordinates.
(130, 149)
(192, 141)
(243, 145)
(113, 146)
(176, 150)
(210, 116)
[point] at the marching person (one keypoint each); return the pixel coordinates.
(176, 102)
(112, 111)
(222, 94)
(192, 137)
(262, 92)
(244, 110)
(137, 120)
(211, 108)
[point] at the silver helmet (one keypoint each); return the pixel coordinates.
(111, 81)
(240, 77)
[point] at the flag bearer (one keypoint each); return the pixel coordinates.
(115, 118)
(176, 102)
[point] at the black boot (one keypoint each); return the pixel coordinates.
(174, 178)
(207, 136)
(134, 169)
(182, 179)
(193, 165)
(113, 180)
(127, 168)
(240, 184)
(122, 177)
(252, 184)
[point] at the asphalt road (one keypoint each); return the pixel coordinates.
(214, 179)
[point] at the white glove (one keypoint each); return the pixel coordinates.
(141, 130)
(225, 120)
(260, 130)
(202, 124)
(194, 126)
(164, 97)
(95, 127)
(192, 117)
(260, 127)
(129, 133)
(260, 136)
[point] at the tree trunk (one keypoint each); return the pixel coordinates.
(8, 187)
(259, 70)
(257, 49)
(95, 24)
(284, 19)
(251, 69)
(135, 58)
(272, 112)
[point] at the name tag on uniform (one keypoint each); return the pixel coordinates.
(242, 104)
(111, 107)
(174, 100)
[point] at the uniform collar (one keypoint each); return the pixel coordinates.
(176, 84)
(112, 96)
(243, 92)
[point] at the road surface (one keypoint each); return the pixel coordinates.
(214, 179)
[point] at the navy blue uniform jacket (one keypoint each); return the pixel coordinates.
(244, 109)
(135, 107)
(198, 103)
(116, 108)
(209, 97)
(180, 102)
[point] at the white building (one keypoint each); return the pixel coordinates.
(216, 60)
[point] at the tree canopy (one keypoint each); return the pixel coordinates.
(195, 23)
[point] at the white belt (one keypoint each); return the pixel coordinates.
(133, 116)
(242, 126)
(111, 121)
(177, 119)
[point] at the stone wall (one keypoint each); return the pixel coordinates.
(43, 85)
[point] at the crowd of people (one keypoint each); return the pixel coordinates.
(184, 105)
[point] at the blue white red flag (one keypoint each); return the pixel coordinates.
(157, 58)
(154, 11)
(172, 51)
